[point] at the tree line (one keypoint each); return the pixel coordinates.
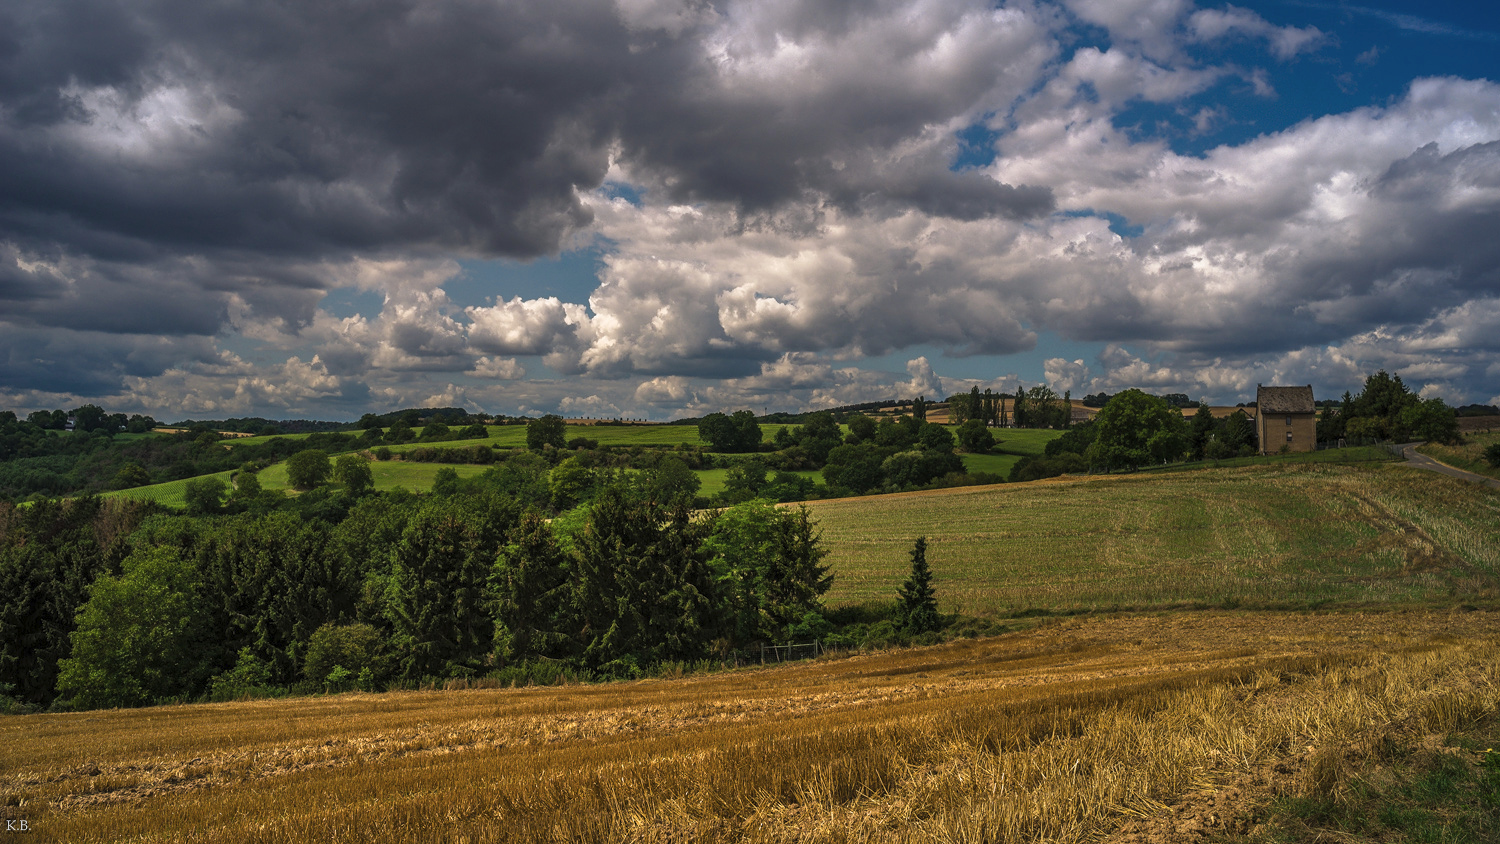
(905, 452)
(1135, 429)
(1038, 407)
(118, 603)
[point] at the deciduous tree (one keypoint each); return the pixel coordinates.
(139, 637)
(548, 430)
(354, 473)
(307, 469)
(1126, 428)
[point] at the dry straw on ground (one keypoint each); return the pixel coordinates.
(1062, 733)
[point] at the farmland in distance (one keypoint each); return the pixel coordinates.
(1295, 535)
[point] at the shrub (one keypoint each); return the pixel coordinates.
(975, 438)
(1492, 455)
(130, 475)
(249, 678)
(1036, 468)
(354, 648)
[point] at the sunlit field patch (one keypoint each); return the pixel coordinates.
(1060, 733)
(1289, 536)
(170, 493)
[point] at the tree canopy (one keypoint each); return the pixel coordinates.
(735, 434)
(1134, 429)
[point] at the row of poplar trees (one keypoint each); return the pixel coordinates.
(1039, 407)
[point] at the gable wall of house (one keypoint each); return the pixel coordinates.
(1300, 435)
(1287, 419)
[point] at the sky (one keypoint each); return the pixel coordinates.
(663, 208)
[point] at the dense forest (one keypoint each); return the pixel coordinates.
(117, 603)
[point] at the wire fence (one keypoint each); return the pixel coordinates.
(788, 653)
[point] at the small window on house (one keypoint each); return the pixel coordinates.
(1288, 436)
(1289, 421)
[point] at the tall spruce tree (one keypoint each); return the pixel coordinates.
(530, 583)
(916, 609)
(439, 599)
(643, 586)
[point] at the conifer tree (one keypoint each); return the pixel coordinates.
(439, 601)
(530, 582)
(916, 609)
(643, 586)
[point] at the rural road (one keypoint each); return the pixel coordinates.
(1422, 461)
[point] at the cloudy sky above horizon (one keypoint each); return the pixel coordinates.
(662, 208)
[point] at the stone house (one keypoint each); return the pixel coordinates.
(1285, 418)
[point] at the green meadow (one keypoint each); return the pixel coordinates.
(1296, 535)
(1469, 456)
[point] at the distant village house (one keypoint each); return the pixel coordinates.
(1285, 419)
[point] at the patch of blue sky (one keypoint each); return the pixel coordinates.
(1117, 223)
(976, 147)
(632, 194)
(1027, 364)
(1369, 56)
(344, 302)
(571, 277)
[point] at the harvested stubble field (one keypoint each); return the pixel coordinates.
(1289, 536)
(1144, 728)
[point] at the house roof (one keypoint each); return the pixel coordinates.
(1285, 399)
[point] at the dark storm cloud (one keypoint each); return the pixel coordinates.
(313, 126)
(87, 362)
(1452, 210)
(161, 157)
(342, 125)
(815, 97)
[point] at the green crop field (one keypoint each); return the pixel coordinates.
(1296, 535)
(415, 477)
(169, 494)
(713, 479)
(1025, 442)
(1011, 445)
(261, 440)
(999, 464)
